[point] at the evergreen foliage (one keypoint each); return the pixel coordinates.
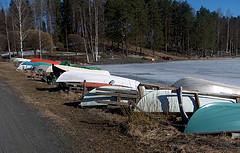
(160, 25)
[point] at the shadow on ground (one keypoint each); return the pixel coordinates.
(52, 89)
(74, 104)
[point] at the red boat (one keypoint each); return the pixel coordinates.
(44, 60)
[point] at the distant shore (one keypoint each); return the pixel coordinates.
(132, 60)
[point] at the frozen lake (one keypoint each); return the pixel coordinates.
(224, 71)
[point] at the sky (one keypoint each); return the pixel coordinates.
(232, 6)
(228, 7)
(4, 3)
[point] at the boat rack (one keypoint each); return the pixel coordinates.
(122, 97)
(196, 93)
(130, 98)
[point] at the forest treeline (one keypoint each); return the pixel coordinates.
(94, 26)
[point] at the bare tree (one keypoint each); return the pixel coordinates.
(22, 15)
(7, 33)
(96, 30)
(37, 8)
(90, 28)
(19, 7)
(39, 29)
(83, 27)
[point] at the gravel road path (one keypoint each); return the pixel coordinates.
(24, 129)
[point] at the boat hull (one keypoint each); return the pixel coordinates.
(63, 68)
(44, 60)
(166, 101)
(215, 118)
(205, 86)
(91, 78)
(93, 97)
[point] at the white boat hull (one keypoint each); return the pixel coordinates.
(205, 86)
(79, 77)
(167, 102)
(82, 70)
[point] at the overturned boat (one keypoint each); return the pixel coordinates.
(36, 60)
(58, 69)
(31, 65)
(215, 118)
(207, 87)
(106, 95)
(94, 80)
(159, 101)
(44, 68)
(19, 60)
(167, 101)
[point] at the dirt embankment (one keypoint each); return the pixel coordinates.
(96, 130)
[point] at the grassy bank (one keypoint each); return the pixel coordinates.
(99, 130)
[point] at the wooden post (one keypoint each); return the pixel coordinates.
(141, 90)
(183, 113)
(197, 100)
(238, 99)
(84, 89)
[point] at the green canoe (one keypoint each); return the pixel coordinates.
(215, 118)
(40, 63)
(67, 63)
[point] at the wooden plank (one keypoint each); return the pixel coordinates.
(117, 95)
(199, 93)
(84, 89)
(118, 90)
(212, 95)
(112, 103)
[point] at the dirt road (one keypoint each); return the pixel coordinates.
(24, 129)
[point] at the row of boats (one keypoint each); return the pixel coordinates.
(68, 73)
(213, 107)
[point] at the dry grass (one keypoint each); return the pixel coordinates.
(158, 136)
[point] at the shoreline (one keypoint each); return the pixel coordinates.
(105, 131)
(119, 61)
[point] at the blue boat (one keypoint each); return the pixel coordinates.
(215, 118)
(27, 63)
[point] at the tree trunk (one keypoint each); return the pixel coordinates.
(6, 28)
(39, 30)
(166, 36)
(83, 24)
(227, 43)
(96, 31)
(126, 44)
(66, 38)
(90, 29)
(19, 8)
(14, 40)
